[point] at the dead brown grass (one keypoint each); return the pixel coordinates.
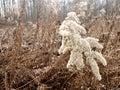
(30, 61)
(29, 58)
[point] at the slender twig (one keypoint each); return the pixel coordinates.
(26, 84)
(109, 34)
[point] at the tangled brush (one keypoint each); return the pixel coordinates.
(71, 32)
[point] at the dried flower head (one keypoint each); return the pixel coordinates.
(72, 26)
(72, 41)
(94, 43)
(73, 16)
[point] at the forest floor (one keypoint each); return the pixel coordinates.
(29, 58)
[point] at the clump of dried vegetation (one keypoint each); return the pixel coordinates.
(29, 58)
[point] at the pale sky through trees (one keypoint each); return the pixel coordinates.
(54, 7)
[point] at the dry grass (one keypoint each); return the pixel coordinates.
(29, 58)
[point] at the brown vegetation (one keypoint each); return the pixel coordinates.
(29, 58)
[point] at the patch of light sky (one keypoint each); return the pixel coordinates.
(101, 1)
(66, 0)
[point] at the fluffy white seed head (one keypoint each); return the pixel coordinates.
(77, 29)
(72, 16)
(95, 69)
(94, 43)
(71, 62)
(99, 57)
(72, 24)
(67, 45)
(72, 27)
(77, 46)
(79, 62)
(102, 12)
(75, 61)
(85, 46)
(72, 41)
(64, 33)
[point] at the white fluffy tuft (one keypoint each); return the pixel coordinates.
(72, 41)
(99, 57)
(94, 43)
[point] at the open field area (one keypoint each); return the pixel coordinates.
(29, 57)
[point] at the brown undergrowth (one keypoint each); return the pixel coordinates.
(29, 59)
